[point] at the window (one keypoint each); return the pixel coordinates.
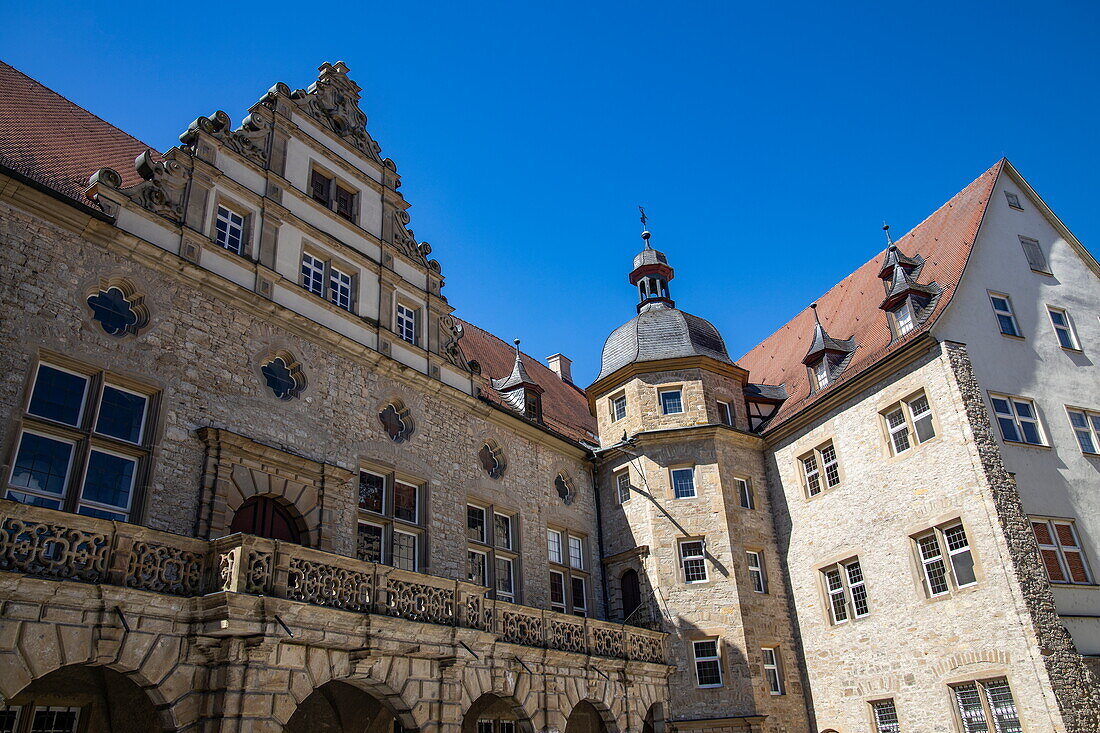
(683, 483)
(725, 413)
(1013, 200)
(1086, 426)
(406, 323)
(618, 408)
(909, 421)
(756, 572)
(475, 524)
(344, 201)
(885, 716)
(506, 590)
(622, 486)
(557, 591)
(1006, 318)
(671, 401)
(772, 672)
(708, 667)
(945, 558)
(820, 469)
(846, 591)
(229, 230)
(54, 719)
(325, 190)
(391, 525)
(693, 561)
(1018, 419)
(984, 701)
(502, 531)
(744, 491)
(492, 553)
(477, 567)
(553, 545)
(327, 281)
(821, 373)
(568, 579)
(84, 444)
(904, 319)
(579, 594)
(1063, 328)
(1061, 551)
(532, 405)
(1036, 260)
(576, 552)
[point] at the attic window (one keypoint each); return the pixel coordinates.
(1035, 257)
(903, 318)
(1013, 201)
(532, 405)
(821, 373)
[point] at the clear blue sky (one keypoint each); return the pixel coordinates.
(767, 145)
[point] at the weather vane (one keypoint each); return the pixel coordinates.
(643, 219)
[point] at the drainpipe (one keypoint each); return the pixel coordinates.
(599, 535)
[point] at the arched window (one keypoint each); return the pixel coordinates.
(632, 592)
(263, 516)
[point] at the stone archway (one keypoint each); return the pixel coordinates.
(82, 697)
(654, 719)
(492, 713)
(342, 707)
(585, 718)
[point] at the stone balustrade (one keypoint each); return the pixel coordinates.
(51, 544)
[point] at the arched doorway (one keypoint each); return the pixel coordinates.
(339, 707)
(654, 719)
(80, 698)
(266, 516)
(631, 588)
(494, 714)
(585, 718)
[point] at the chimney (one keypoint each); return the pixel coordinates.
(561, 365)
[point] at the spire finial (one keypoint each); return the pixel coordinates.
(645, 230)
(813, 307)
(516, 342)
(889, 239)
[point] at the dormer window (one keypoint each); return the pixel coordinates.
(532, 405)
(903, 318)
(821, 373)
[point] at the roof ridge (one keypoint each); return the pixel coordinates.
(505, 343)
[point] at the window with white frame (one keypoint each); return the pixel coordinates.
(672, 401)
(1036, 259)
(1018, 419)
(773, 672)
(339, 288)
(229, 229)
(55, 719)
(579, 594)
(554, 546)
(1061, 551)
(85, 443)
(1006, 318)
(622, 486)
(693, 561)
(909, 423)
(683, 482)
(820, 469)
(708, 665)
(985, 702)
(618, 407)
(568, 578)
(492, 550)
(821, 373)
(757, 576)
(725, 413)
(846, 591)
(325, 280)
(576, 552)
(557, 591)
(313, 274)
(885, 716)
(1086, 426)
(391, 526)
(406, 323)
(1063, 328)
(945, 558)
(904, 318)
(744, 492)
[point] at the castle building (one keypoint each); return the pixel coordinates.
(258, 476)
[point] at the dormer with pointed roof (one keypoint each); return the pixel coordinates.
(908, 302)
(827, 356)
(519, 391)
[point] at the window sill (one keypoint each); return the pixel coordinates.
(1012, 337)
(1072, 350)
(1022, 444)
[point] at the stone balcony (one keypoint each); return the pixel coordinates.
(46, 543)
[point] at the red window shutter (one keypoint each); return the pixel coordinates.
(1054, 568)
(1076, 563)
(1042, 533)
(1065, 535)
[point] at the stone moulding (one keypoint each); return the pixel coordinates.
(56, 545)
(162, 190)
(249, 140)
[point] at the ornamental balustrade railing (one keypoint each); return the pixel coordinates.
(51, 544)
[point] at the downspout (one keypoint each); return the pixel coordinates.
(599, 536)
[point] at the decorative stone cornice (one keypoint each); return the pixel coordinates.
(249, 140)
(161, 192)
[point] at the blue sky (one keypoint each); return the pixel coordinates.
(767, 145)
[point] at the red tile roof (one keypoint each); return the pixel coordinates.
(564, 406)
(851, 308)
(57, 143)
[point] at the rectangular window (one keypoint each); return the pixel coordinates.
(405, 501)
(371, 543)
(576, 552)
(1086, 426)
(372, 492)
(502, 531)
(389, 512)
(339, 288)
(557, 591)
(477, 567)
(618, 408)
(1061, 551)
(1018, 419)
(756, 572)
(708, 667)
(344, 202)
(404, 551)
(909, 423)
(229, 230)
(1006, 319)
(898, 429)
(622, 485)
(671, 402)
(1063, 328)
(320, 186)
(935, 571)
(725, 413)
(55, 719)
(693, 561)
(820, 469)
(830, 464)
(834, 587)
(984, 702)
(885, 716)
(811, 474)
(1036, 260)
(1013, 200)
(580, 595)
(553, 545)
(846, 591)
(772, 671)
(313, 274)
(821, 373)
(904, 319)
(744, 491)
(683, 483)
(506, 589)
(475, 523)
(946, 559)
(406, 323)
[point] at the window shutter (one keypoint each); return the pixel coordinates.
(1034, 253)
(1072, 552)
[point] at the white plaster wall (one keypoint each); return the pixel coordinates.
(1059, 480)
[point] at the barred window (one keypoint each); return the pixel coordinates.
(886, 716)
(982, 702)
(622, 485)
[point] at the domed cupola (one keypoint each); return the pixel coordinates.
(659, 331)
